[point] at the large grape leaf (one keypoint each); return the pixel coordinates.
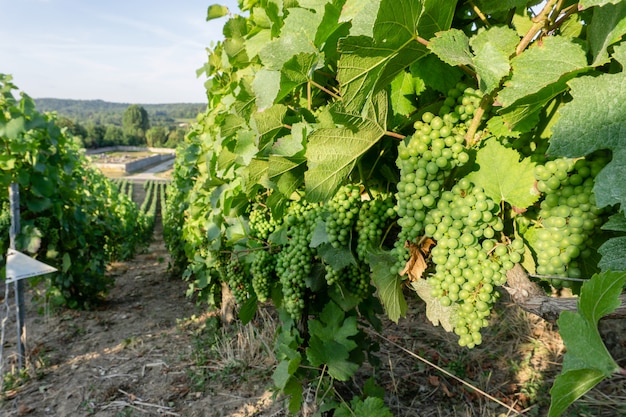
(607, 27)
(368, 64)
(553, 59)
(333, 152)
(587, 361)
(595, 119)
(503, 176)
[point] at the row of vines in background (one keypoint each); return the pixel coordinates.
(352, 149)
(72, 217)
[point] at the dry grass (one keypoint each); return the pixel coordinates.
(510, 373)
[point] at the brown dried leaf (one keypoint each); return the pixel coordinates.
(416, 265)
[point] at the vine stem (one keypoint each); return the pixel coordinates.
(395, 135)
(308, 95)
(451, 375)
(326, 90)
(479, 13)
(485, 103)
(539, 23)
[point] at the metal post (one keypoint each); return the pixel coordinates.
(14, 199)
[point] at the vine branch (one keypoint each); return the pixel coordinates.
(531, 298)
(326, 90)
(539, 23)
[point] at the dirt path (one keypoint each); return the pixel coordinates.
(138, 354)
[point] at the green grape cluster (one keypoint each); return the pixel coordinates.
(237, 279)
(357, 279)
(261, 222)
(568, 215)
(426, 160)
(343, 211)
(469, 259)
(372, 222)
(263, 271)
(295, 261)
(459, 107)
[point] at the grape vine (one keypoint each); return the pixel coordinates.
(341, 160)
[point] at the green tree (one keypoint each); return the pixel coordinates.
(95, 135)
(75, 128)
(157, 135)
(135, 124)
(113, 136)
(175, 137)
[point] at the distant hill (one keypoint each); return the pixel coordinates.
(105, 112)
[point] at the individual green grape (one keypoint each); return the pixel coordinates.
(343, 211)
(263, 270)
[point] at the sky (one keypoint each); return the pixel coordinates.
(129, 51)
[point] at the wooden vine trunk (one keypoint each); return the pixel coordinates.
(530, 297)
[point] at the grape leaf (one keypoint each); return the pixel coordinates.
(362, 15)
(607, 27)
(435, 312)
(215, 11)
(280, 50)
(554, 59)
(613, 253)
(593, 120)
(493, 6)
(492, 49)
(452, 47)
(368, 65)
(330, 344)
(333, 152)
(295, 72)
(585, 4)
(265, 85)
(370, 407)
(570, 386)
(503, 176)
(587, 361)
(402, 92)
(389, 285)
(616, 222)
(436, 73)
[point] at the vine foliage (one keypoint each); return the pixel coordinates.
(367, 146)
(71, 215)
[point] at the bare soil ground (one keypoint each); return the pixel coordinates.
(150, 351)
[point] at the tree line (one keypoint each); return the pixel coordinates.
(97, 123)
